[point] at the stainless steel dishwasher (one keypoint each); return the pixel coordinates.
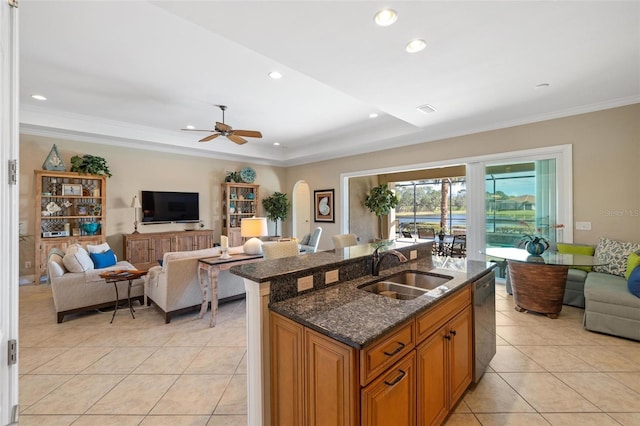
(484, 323)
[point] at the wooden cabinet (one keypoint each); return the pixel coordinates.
(444, 368)
(391, 398)
(64, 201)
(391, 381)
(144, 250)
(239, 200)
(287, 371)
(331, 393)
(444, 356)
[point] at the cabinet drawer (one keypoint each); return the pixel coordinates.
(379, 356)
(436, 317)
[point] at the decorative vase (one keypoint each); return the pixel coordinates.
(535, 248)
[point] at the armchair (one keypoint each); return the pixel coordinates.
(309, 243)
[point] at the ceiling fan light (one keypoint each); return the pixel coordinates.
(415, 45)
(385, 17)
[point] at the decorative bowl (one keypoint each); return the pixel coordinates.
(90, 227)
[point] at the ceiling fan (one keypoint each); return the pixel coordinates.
(222, 129)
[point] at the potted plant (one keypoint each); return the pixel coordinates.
(90, 164)
(277, 206)
(380, 201)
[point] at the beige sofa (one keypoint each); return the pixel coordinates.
(174, 287)
(75, 292)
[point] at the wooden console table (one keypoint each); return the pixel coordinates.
(213, 266)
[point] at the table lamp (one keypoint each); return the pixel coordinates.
(135, 204)
(252, 227)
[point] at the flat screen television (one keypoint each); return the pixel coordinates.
(164, 206)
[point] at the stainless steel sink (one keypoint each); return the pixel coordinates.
(421, 280)
(393, 290)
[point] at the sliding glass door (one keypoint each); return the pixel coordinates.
(521, 198)
(517, 193)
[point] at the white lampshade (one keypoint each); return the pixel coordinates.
(252, 227)
(135, 203)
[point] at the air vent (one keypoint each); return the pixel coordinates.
(426, 109)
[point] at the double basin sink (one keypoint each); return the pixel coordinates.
(408, 285)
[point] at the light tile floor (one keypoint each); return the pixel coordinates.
(86, 371)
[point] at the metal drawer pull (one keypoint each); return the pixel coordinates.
(397, 379)
(398, 349)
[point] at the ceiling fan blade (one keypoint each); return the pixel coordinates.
(210, 137)
(248, 133)
(236, 139)
(221, 127)
(198, 130)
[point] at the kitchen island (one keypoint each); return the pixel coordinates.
(338, 310)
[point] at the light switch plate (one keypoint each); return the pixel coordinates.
(413, 254)
(305, 283)
(583, 226)
(331, 276)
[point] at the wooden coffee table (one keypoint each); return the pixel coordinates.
(122, 275)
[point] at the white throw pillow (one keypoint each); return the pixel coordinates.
(76, 259)
(99, 248)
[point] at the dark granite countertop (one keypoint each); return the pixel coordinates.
(357, 318)
(275, 268)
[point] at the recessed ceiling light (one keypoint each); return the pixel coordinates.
(385, 17)
(275, 75)
(415, 45)
(190, 127)
(276, 143)
(373, 115)
(542, 85)
(39, 97)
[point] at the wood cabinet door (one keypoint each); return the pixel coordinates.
(460, 349)
(204, 240)
(287, 369)
(160, 245)
(391, 398)
(184, 242)
(46, 247)
(432, 378)
(139, 250)
(235, 239)
(332, 387)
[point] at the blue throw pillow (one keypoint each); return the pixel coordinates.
(634, 281)
(102, 260)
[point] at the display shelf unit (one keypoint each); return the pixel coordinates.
(63, 202)
(239, 200)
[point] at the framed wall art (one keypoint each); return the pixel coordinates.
(72, 189)
(324, 205)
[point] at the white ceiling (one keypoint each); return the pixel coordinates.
(134, 72)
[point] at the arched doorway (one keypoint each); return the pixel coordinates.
(301, 209)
